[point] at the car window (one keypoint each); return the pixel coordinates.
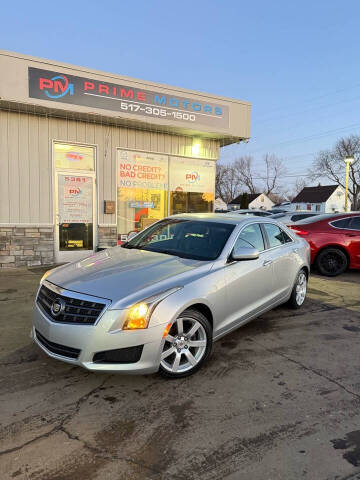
(355, 223)
(251, 236)
(342, 223)
(301, 216)
(276, 235)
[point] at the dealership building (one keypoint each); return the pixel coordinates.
(86, 157)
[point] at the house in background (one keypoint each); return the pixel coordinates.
(320, 199)
(256, 200)
(219, 204)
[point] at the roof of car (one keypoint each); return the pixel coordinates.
(290, 214)
(221, 217)
(248, 210)
(326, 216)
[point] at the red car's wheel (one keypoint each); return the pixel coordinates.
(332, 262)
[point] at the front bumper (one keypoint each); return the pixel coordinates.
(91, 339)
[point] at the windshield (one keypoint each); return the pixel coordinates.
(184, 238)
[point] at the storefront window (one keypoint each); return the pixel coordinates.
(74, 157)
(191, 185)
(142, 190)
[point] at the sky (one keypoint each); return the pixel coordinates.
(296, 62)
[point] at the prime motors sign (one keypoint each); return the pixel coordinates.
(70, 89)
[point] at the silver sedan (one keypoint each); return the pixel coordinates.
(159, 301)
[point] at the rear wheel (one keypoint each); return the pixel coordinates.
(331, 262)
(298, 293)
(187, 345)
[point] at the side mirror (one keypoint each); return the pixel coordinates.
(244, 253)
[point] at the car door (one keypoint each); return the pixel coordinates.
(349, 229)
(248, 283)
(282, 253)
(353, 236)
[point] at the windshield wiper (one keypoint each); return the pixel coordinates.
(128, 245)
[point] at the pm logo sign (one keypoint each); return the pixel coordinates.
(192, 177)
(56, 87)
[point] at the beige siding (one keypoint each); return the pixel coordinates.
(26, 172)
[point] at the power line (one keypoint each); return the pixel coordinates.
(316, 98)
(299, 112)
(310, 137)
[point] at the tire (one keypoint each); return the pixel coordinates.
(331, 262)
(299, 290)
(180, 356)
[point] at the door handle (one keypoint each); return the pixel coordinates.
(267, 262)
(351, 234)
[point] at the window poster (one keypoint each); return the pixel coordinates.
(75, 199)
(189, 175)
(142, 188)
(74, 157)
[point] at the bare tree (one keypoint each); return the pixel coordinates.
(243, 176)
(330, 164)
(300, 184)
(268, 180)
(245, 173)
(227, 185)
(274, 171)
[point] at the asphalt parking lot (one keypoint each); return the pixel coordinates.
(279, 399)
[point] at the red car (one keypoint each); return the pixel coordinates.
(334, 241)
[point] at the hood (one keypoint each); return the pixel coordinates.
(118, 273)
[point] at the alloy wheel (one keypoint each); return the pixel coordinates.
(184, 346)
(332, 262)
(301, 286)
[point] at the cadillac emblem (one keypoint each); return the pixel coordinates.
(57, 307)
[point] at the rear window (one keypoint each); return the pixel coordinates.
(342, 223)
(302, 216)
(355, 224)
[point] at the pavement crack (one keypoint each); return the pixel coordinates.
(309, 369)
(61, 425)
(97, 452)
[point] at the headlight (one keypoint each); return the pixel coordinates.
(138, 315)
(46, 274)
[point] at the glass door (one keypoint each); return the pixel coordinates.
(75, 216)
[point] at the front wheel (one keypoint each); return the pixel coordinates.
(299, 290)
(187, 345)
(331, 262)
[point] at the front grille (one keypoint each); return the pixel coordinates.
(57, 348)
(75, 311)
(120, 355)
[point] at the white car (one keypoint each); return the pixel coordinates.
(292, 217)
(250, 211)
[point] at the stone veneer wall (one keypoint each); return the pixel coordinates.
(26, 246)
(107, 237)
